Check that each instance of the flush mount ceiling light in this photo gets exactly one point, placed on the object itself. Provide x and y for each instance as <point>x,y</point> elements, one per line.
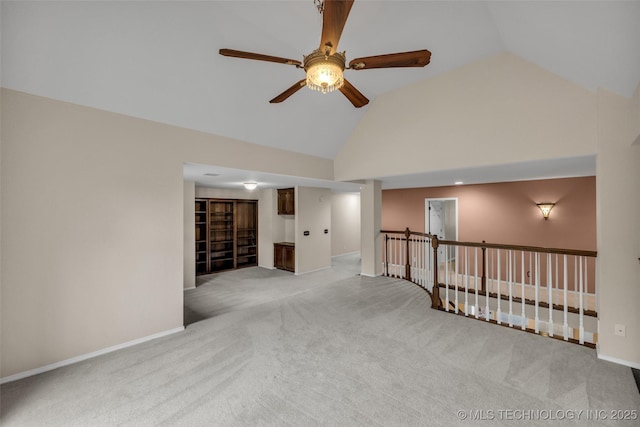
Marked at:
<point>546,209</point>
<point>250,185</point>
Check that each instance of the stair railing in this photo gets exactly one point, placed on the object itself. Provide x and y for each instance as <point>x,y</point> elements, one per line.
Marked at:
<point>546,291</point>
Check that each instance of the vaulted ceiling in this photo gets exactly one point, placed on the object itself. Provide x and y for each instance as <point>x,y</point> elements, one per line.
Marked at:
<point>159,60</point>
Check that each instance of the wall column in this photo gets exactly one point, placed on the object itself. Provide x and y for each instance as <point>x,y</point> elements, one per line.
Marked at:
<point>370,226</point>
<point>189,263</point>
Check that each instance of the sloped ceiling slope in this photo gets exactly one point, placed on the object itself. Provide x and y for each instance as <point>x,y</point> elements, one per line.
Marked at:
<point>159,60</point>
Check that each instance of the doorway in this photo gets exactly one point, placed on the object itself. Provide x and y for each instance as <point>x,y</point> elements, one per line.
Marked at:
<point>441,219</point>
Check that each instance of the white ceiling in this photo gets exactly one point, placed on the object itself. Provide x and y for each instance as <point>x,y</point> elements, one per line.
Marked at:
<point>159,60</point>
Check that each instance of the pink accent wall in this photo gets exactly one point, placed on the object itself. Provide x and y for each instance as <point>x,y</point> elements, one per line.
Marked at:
<point>506,212</point>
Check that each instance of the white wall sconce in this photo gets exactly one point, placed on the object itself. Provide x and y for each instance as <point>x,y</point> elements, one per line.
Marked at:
<point>250,185</point>
<point>546,209</point>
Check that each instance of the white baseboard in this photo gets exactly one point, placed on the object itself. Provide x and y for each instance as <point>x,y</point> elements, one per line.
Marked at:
<point>36,371</point>
<point>187,289</point>
<point>312,271</point>
<point>345,254</point>
<point>623,362</point>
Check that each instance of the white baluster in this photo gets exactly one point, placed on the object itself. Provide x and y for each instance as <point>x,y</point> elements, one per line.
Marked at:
<point>446,277</point>
<point>557,290</point>
<point>537,295</point>
<point>486,290</point>
<point>429,258</point>
<point>455,277</point>
<point>476,307</point>
<point>499,311</point>
<point>466,281</point>
<point>523,305</point>
<point>549,296</point>
<point>418,258</point>
<point>509,284</point>
<point>581,307</point>
<point>565,298</point>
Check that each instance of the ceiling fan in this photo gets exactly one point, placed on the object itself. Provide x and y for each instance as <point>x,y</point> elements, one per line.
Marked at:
<point>325,65</point>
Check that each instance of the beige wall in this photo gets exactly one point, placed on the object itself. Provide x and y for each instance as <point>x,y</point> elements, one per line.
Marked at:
<point>618,178</point>
<point>313,214</point>
<point>92,232</point>
<point>501,110</point>
<point>189,239</point>
<point>345,220</point>
<point>92,224</point>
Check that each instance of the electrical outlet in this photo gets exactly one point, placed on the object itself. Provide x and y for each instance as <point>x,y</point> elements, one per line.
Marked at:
<point>620,330</point>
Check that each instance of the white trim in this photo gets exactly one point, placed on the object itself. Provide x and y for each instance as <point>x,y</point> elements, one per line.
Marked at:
<point>345,254</point>
<point>187,289</point>
<point>311,271</point>
<point>623,362</point>
<point>36,371</point>
<point>370,275</point>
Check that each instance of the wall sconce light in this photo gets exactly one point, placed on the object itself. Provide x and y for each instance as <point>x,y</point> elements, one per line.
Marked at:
<point>250,185</point>
<point>546,209</point>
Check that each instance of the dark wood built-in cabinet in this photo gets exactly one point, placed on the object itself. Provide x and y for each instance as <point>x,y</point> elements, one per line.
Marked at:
<point>202,252</point>
<point>226,234</point>
<point>286,201</point>
<point>246,233</point>
<point>284,253</point>
<point>284,256</point>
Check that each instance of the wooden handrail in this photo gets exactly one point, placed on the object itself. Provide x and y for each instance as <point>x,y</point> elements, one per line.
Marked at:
<point>416,233</point>
<point>577,252</point>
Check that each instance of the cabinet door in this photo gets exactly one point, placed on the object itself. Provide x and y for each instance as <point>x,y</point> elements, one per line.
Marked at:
<point>286,201</point>
<point>289,258</point>
<point>278,256</point>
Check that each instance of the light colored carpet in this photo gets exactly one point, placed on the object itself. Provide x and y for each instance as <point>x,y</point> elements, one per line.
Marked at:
<point>329,348</point>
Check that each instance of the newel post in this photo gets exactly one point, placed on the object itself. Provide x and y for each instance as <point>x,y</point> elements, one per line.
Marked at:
<point>435,292</point>
<point>407,267</point>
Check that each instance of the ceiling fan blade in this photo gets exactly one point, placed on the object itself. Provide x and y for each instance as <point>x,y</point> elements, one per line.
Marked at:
<point>357,99</point>
<point>287,93</point>
<point>334,18</point>
<point>416,58</point>
<point>259,57</point>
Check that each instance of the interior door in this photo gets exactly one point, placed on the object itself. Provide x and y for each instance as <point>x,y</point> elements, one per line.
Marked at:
<point>441,219</point>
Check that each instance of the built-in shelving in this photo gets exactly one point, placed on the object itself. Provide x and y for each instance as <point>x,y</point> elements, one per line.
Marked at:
<point>226,234</point>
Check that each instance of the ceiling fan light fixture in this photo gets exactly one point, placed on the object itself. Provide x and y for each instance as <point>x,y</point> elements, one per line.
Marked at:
<point>324,72</point>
